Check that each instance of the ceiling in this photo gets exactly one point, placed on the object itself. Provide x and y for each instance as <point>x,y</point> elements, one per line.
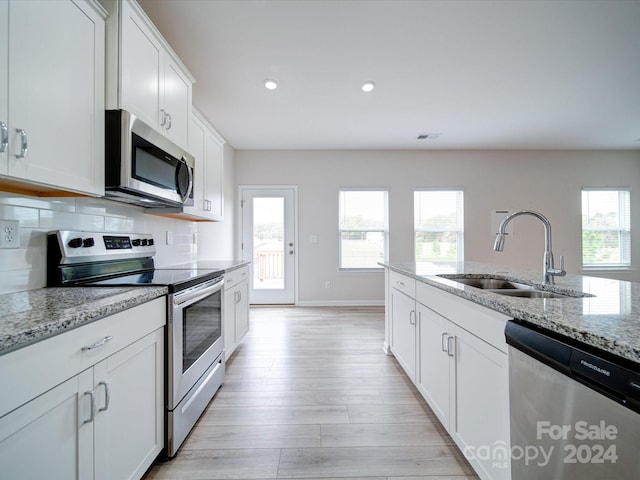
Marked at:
<point>513,74</point>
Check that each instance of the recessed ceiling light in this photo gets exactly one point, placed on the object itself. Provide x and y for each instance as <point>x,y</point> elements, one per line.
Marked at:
<point>368,86</point>
<point>270,84</point>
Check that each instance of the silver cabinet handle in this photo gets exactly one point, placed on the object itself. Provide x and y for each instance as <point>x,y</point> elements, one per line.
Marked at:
<point>398,282</point>
<point>450,350</point>
<point>163,117</point>
<point>24,145</point>
<point>98,344</point>
<point>443,346</point>
<point>168,127</point>
<point>4,137</point>
<point>107,396</point>
<point>412,317</point>
<point>92,415</point>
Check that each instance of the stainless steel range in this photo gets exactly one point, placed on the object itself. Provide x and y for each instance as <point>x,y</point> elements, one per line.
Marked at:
<point>195,361</point>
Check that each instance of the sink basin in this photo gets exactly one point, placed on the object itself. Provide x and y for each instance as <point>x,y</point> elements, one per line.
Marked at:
<point>509,288</point>
<point>531,294</point>
<point>491,283</point>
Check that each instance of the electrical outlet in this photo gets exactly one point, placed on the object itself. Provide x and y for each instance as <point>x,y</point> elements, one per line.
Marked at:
<point>9,234</point>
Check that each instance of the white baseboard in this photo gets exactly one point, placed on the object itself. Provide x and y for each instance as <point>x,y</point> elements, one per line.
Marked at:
<point>340,303</point>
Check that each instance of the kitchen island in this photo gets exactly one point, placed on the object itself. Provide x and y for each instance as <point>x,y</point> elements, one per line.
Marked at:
<point>444,324</point>
<point>607,318</point>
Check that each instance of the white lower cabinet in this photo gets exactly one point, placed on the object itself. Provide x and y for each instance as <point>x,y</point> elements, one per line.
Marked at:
<point>454,351</point>
<point>465,382</point>
<point>47,437</point>
<point>403,331</point>
<point>104,422</point>
<point>235,308</point>
<point>130,409</point>
<point>481,402</point>
<point>435,366</point>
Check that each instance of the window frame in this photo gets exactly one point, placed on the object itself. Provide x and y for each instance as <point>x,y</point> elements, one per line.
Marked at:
<point>384,231</point>
<point>624,234</point>
<point>459,231</point>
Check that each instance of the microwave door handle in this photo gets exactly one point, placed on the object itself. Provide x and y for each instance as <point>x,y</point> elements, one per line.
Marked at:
<point>190,187</point>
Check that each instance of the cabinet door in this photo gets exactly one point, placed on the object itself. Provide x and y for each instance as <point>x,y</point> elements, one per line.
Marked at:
<point>482,404</point>
<point>177,103</point>
<point>214,177</point>
<point>140,69</point>
<point>229,320</point>
<point>242,309</point>
<point>56,85</point>
<point>197,149</point>
<point>4,93</point>
<point>48,437</point>
<point>403,334</point>
<point>434,366</point>
<point>129,425</point>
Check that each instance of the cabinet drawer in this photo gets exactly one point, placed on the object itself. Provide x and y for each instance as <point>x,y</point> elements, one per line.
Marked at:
<point>232,278</point>
<point>406,285</point>
<point>32,370</point>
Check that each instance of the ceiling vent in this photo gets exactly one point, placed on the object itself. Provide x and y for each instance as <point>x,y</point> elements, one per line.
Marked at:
<point>429,136</point>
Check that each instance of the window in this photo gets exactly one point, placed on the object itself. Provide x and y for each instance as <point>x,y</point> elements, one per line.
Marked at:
<point>606,228</point>
<point>438,225</point>
<point>364,228</point>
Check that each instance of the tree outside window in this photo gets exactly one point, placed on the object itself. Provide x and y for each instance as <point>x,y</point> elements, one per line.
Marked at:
<point>438,225</point>
<point>606,228</point>
<point>364,228</point>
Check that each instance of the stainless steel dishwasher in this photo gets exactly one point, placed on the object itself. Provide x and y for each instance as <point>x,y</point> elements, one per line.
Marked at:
<point>575,413</point>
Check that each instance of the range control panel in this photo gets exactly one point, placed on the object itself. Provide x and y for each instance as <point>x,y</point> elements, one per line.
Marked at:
<point>78,246</point>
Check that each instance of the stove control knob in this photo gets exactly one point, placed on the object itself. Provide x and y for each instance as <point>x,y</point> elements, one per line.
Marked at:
<point>145,242</point>
<point>151,242</point>
<point>75,242</point>
<point>135,242</point>
<point>88,242</point>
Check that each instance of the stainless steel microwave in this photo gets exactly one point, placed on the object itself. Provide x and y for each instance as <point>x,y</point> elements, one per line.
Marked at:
<point>143,167</point>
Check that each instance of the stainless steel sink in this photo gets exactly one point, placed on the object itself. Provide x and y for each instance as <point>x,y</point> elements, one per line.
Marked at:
<point>510,288</point>
<point>490,283</point>
<point>531,294</point>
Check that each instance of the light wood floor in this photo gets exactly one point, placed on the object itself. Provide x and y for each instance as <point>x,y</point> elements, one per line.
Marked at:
<point>309,394</point>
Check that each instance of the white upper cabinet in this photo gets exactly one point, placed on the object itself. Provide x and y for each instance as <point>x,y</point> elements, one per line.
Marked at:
<point>4,88</point>
<point>208,149</point>
<point>144,75</point>
<point>52,95</point>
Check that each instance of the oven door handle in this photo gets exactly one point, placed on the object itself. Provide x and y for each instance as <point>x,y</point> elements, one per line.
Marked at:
<point>197,294</point>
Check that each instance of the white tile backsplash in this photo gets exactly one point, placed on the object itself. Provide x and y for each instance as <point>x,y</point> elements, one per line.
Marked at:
<point>24,268</point>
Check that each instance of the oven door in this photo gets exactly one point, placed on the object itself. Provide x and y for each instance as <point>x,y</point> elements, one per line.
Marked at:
<point>195,337</point>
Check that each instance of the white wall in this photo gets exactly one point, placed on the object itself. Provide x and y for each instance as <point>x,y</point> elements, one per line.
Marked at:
<point>547,181</point>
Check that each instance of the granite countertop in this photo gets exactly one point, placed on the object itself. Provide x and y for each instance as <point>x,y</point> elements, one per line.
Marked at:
<point>608,319</point>
<point>31,316</point>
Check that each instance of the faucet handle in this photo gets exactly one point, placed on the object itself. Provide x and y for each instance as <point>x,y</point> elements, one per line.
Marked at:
<point>558,272</point>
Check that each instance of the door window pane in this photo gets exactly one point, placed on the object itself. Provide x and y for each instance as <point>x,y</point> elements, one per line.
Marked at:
<point>268,243</point>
